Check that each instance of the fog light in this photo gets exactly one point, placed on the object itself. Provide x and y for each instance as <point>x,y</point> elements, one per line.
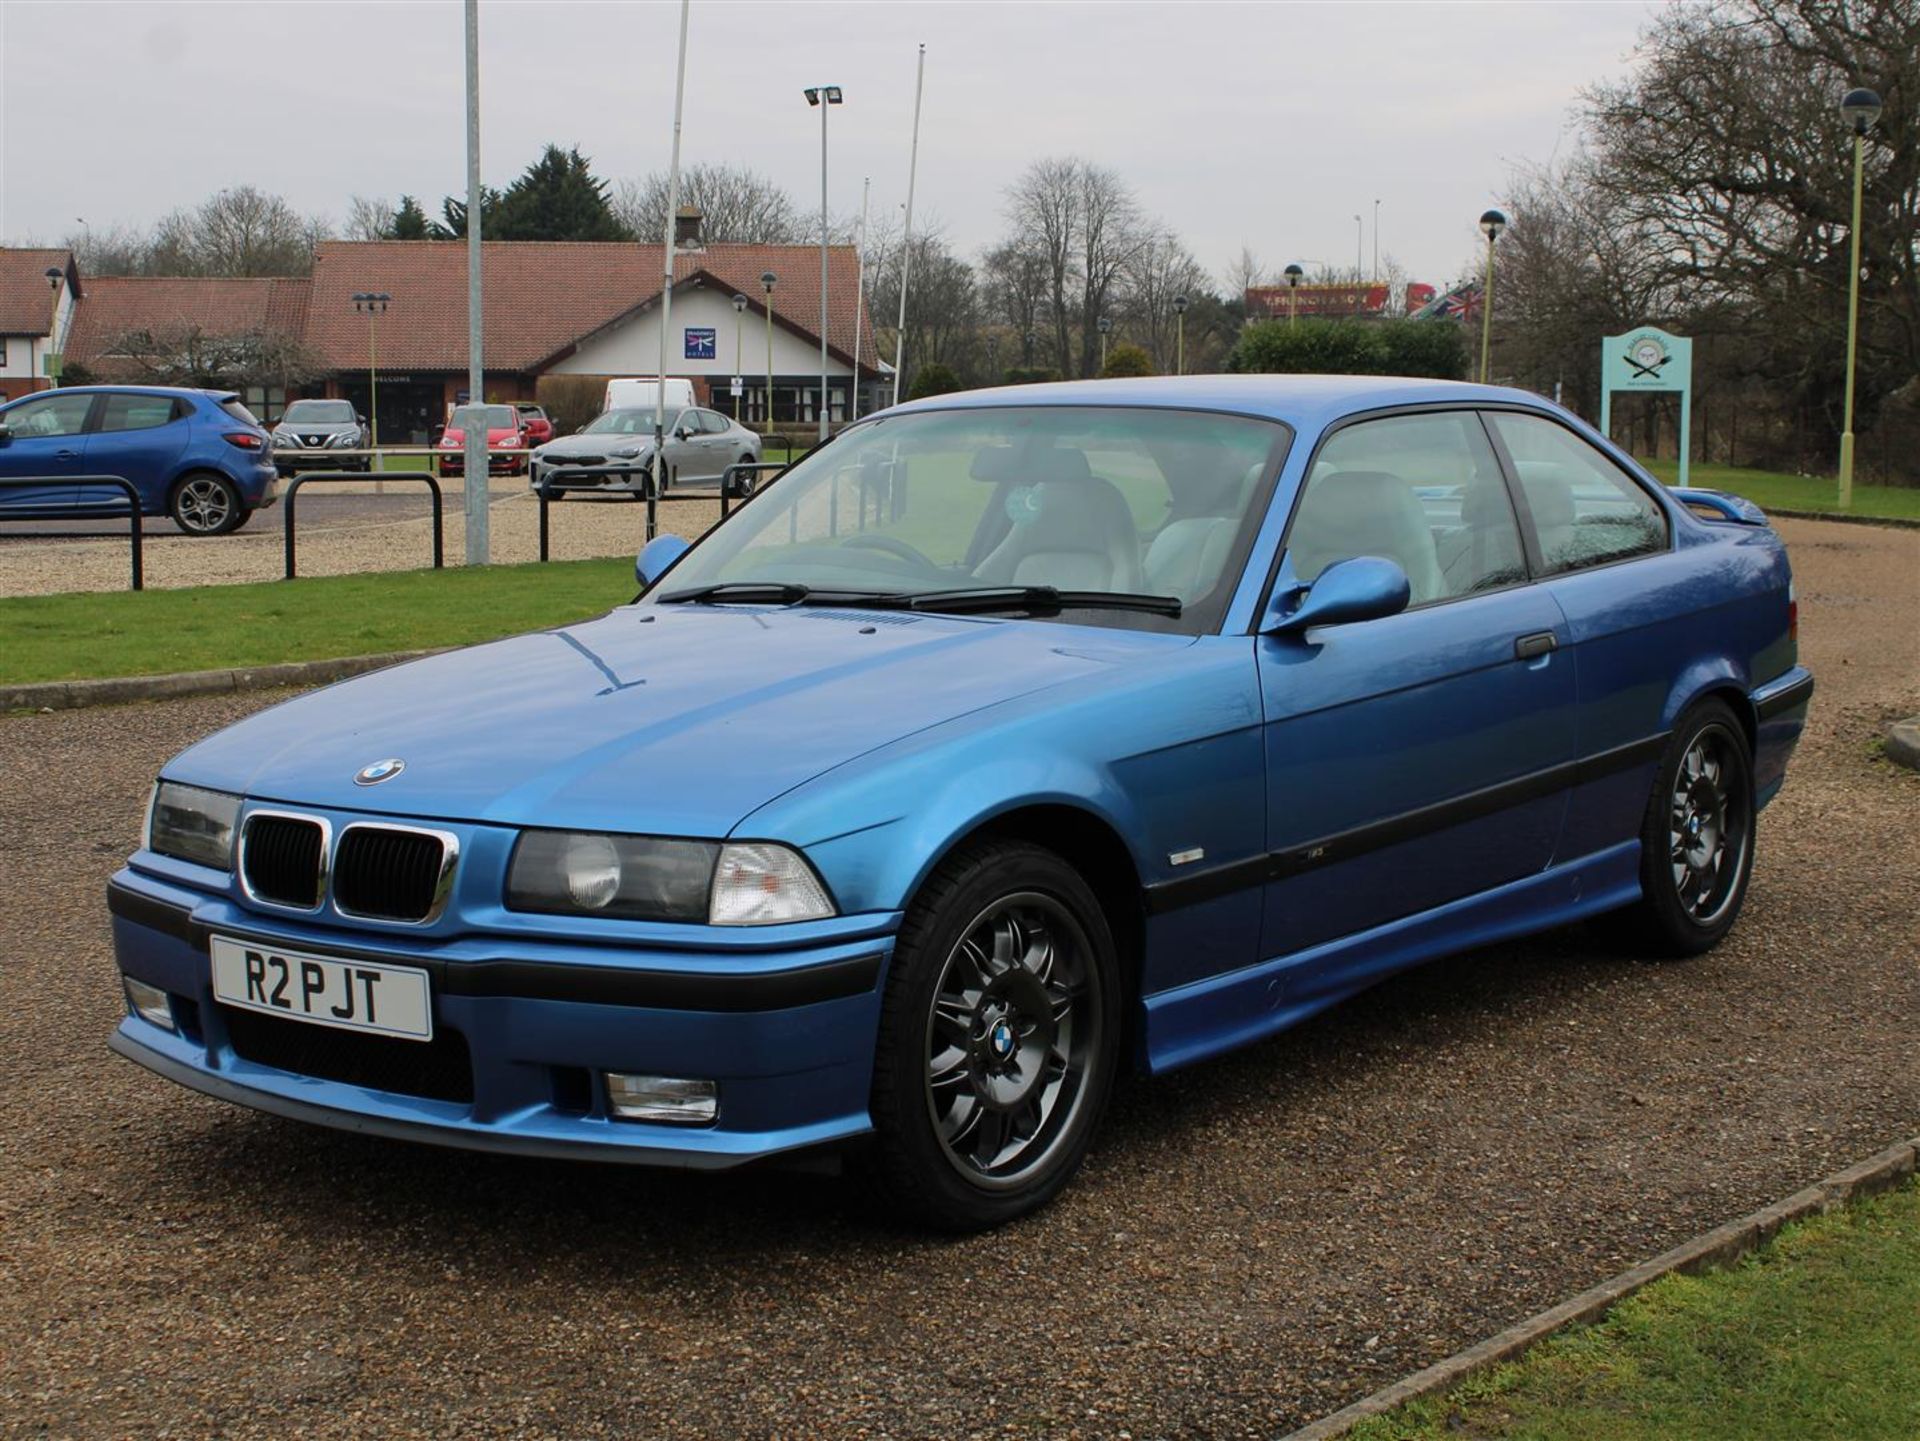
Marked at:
<point>149,1003</point>
<point>662,1098</point>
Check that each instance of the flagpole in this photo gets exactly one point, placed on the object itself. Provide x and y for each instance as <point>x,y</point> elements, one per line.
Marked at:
<point>666,244</point>
<point>859,292</point>
<point>906,241</point>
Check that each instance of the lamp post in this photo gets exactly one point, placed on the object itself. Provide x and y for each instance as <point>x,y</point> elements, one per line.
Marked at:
<point>767,281</point>
<point>372,303</point>
<point>1861,108</point>
<point>1293,272</point>
<point>1180,335</point>
<point>1376,242</point>
<point>1026,350</point>
<point>823,98</point>
<point>1106,329</point>
<point>1492,222</point>
<point>993,359</point>
<point>54,276</point>
<point>739,314</point>
<point>1359,246</point>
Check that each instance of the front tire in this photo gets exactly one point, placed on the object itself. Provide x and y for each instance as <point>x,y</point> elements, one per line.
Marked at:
<point>206,504</point>
<point>999,1038</point>
<point>1696,839</point>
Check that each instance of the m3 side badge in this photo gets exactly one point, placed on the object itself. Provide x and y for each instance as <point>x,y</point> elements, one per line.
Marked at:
<point>379,771</point>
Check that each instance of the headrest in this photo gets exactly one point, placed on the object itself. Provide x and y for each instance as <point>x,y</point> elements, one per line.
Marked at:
<point>1549,493</point>
<point>1034,467</point>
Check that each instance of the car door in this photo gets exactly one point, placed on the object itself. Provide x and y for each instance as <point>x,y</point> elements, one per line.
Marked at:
<point>140,436</point>
<point>1410,758</point>
<point>1603,546</point>
<point>683,450</point>
<point>46,438</point>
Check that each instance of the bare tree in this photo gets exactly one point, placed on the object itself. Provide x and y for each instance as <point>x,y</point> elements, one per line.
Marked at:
<point>1044,206</point>
<point>368,218</point>
<point>188,354</point>
<point>1159,269</point>
<point>111,250</point>
<point>1111,234</point>
<point>242,231</point>
<point>736,204</point>
<point>1245,272</point>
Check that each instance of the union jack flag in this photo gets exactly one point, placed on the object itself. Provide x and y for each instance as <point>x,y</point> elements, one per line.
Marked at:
<point>1460,303</point>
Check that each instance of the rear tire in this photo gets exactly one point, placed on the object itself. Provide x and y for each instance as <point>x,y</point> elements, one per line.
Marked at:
<point>204,503</point>
<point>999,1038</point>
<point>1696,840</point>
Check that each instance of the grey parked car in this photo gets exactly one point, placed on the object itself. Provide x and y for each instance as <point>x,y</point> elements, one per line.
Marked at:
<point>312,433</point>
<point>614,451</point>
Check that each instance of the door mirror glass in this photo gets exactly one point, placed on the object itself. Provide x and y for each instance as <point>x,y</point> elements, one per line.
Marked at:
<point>6,431</point>
<point>656,558</point>
<point>1364,588</point>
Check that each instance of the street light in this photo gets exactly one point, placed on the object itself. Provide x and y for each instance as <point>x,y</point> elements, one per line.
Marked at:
<point>54,276</point>
<point>1359,246</point>
<point>1293,272</point>
<point>767,281</point>
<point>1861,108</point>
<point>1492,222</point>
<point>739,386</point>
<point>1180,334</point>
<point>372,303</point>
<point>1026,350</point>
<point>823,98</point>
<point>1106,329</point>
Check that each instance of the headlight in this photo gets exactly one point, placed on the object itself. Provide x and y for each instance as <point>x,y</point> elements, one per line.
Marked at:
<point>191,824</point>
<point>631,452</point>
<point>342,439</point>
<point>649,878</point>
<point>281,438</point>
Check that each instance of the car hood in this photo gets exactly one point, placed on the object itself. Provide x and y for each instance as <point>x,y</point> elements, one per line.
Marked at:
<point>674,720</point>
<point>604,444</point>
<point>323,427</point>
<point>453,436</point>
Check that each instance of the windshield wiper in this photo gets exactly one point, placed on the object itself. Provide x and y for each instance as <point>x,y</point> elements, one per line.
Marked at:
<point>776,592</point>
<point>1035,597</point>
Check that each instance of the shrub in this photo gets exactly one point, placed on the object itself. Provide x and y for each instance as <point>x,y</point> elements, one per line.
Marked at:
<point>1125,360</point>
<point>933,379</point>
<point>1433,348</point>
<point>1029,375</point>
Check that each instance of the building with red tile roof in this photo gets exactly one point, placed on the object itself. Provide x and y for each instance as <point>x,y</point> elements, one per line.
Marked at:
<point>35,312</point>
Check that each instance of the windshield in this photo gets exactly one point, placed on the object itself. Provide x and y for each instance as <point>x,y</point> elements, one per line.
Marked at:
<point>319,412</point>
<point>1095,499</point>
<point>497,417</point>
<point>628,420</point>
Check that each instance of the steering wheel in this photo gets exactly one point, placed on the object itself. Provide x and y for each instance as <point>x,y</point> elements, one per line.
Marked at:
<point>892,546</point>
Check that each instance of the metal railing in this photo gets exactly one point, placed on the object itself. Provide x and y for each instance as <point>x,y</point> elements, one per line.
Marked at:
<point>356,477</point>
<point>737,483</point>
<point>134,518</point>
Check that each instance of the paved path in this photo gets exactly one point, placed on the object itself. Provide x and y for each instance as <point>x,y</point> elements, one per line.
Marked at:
<point>1253,1242</point>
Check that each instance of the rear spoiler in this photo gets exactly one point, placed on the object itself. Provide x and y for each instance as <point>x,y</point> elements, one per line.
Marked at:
<point>1719,506</point>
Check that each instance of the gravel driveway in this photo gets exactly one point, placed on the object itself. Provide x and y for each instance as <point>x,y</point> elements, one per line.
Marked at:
<point>1253,1242</point>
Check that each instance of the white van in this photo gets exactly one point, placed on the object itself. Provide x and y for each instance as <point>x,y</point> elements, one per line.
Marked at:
<point>624,393</point>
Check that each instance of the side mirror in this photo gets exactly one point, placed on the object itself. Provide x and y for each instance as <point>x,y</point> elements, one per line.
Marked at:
<point>656,558</point>
<point>6,431</point>
<point>681,432</point>
<point>1365,588</point>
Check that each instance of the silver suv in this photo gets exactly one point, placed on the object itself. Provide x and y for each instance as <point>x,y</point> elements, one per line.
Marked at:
<point>312,433</point>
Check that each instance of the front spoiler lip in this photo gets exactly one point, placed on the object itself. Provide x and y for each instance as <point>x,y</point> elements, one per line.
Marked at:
<point>220,1087</point>
<point>714,991</point>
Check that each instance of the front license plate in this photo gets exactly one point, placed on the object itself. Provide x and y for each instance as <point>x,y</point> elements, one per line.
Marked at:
<point>350,995</point>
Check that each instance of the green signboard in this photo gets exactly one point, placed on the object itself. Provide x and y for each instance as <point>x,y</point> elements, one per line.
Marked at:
<point>1648,359</point>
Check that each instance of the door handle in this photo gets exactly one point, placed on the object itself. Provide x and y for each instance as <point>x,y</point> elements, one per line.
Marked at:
<point>1539,643</point>
<point>66,455</point>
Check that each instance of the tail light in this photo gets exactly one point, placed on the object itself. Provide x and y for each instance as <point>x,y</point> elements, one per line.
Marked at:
<point>244,439</point>
<point>1793,616</point>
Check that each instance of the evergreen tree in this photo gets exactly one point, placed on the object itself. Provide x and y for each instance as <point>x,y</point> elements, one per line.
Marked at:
<point>556,198</point>
<point>409,221</point>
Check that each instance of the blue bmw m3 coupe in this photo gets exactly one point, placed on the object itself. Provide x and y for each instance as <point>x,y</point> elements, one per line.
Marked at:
<point>1012,737</point>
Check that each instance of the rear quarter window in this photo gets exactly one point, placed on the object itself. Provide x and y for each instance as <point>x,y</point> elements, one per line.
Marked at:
<point>1586,511</point>
<point>236,411</point>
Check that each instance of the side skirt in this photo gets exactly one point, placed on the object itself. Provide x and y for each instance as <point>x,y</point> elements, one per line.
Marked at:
<point>1221,1013</point>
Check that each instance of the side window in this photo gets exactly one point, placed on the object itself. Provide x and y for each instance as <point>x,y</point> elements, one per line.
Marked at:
<point>1424,491</point>
<point>55,415</point>
<point>1586,510</point>
<point>713,423</point>
<point>137,412</point>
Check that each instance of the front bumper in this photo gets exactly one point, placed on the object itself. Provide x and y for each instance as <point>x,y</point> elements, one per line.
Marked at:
<point>788,1036</point>
<point>292,459</point>
<point>454,462</point>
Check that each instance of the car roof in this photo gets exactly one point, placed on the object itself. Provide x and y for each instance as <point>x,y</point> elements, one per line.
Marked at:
<point>187,390</point>
<point>1305,402</point>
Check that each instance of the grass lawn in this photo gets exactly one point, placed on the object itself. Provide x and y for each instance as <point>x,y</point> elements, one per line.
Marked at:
<point>1817,1334</point>
<point>1772,491</point>
<point>66,637</point>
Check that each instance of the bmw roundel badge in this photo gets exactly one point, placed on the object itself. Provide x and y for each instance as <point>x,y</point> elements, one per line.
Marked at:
<point>379,771</point>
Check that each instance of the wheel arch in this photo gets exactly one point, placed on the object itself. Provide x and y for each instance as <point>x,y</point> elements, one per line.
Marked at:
<point>1716,680</point>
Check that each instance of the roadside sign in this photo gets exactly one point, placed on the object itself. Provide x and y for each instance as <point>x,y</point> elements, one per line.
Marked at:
<point>736,388</point>
<point>701,342</point>
<point>1648,359</point>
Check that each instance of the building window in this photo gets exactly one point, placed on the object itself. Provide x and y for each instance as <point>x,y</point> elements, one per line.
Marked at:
<point>267,402</point>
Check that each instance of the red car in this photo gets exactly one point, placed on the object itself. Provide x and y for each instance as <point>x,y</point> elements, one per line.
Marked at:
<point>534,421</point>
<point>504,433</point>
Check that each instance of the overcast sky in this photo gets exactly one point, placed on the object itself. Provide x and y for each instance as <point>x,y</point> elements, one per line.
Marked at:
<point>1268,124</point>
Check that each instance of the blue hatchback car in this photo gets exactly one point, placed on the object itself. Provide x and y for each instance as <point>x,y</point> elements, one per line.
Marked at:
<point>196,455</point>
<point>1010,738</point>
